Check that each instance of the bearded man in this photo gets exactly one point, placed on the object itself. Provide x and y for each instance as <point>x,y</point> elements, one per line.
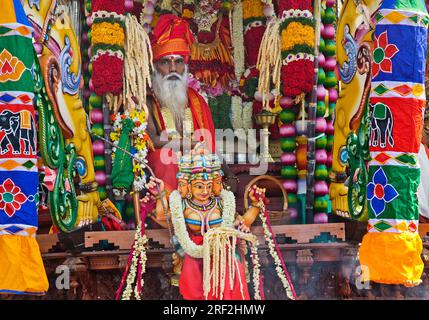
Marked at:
<point>176,111</point>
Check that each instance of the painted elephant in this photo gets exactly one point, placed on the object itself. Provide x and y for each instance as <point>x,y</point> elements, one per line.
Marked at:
<point>381,126</point>
<point>17,126</point>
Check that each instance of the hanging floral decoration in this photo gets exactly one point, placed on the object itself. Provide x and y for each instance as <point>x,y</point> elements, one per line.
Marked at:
<point>141,142</point>
<point>219,246</point>
<point>136,264</point>
<point>108,36</point>
<point>238,47</point>
<point>275,253</point>
<point>297,43</point>
<point>254,23</point>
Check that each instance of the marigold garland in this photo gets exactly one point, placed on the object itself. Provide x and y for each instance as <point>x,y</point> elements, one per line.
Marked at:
<point>106,32</point>
<point>252,9</point>
<point>298,40</point>
<point>297,33</point>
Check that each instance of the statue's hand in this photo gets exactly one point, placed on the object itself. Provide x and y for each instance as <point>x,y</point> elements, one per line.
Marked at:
<point>240,225</point>
<point>152,188</point>
<point>256,193</point>
<point>338,195</point>
<point>88,204</point>
<point>147,198</point>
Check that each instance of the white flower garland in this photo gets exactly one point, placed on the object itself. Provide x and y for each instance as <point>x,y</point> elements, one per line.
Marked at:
<point>139,253</point>
<point>269,239</point>
<point>238,45</point>
<point>256,270</point>
<point>196,251</point>
<point>179,224</point>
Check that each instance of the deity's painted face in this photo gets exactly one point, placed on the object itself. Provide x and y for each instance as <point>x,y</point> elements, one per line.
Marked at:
<point>182,186</point>
<point>170,66</point>
<point>201,190</point>
<point>217,185</point>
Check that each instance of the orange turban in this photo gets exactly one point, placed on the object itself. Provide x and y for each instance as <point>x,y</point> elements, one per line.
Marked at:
<point>171,36</point>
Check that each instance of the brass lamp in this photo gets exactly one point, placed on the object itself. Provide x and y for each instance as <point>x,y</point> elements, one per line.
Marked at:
<point>265,119</point>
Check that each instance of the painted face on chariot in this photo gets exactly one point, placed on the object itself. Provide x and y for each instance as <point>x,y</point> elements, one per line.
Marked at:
<point>201,190</point>
<point>217,185</point>
<point>182,186</point>
<point>171,67</point>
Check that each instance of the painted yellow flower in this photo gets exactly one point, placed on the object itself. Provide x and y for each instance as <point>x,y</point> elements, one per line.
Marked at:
<point>11,68</point>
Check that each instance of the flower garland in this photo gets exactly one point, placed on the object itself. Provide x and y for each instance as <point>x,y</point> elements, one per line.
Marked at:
<point>141,142</point>
<point>274,250</point>
<point>238,45</point>
<point>298,40</point>
<point>179,224</point>
<point>256,271</point>
<point>138,64</point>
<point>219,251</point>
<point>269,62</point>
<point>137,265</point>
<point>108,36</point>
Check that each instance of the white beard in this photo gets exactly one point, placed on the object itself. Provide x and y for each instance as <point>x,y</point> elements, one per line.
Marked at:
<point>172,94</point>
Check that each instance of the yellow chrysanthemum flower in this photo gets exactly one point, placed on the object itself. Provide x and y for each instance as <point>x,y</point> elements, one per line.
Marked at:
<point>297,34</point>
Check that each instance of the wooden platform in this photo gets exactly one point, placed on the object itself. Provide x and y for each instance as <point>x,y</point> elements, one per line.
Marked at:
<point>160,238</point>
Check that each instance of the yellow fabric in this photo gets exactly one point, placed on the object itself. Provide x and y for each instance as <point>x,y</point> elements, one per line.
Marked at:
<point>392,258</point>
<point>7,12</point>
<point>21,266</point>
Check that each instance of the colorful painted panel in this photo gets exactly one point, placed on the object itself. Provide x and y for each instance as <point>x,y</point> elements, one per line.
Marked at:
<point>390,252</point>
<point>21,266</point>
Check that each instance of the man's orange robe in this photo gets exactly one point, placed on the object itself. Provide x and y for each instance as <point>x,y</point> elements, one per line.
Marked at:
<point>202,119</point>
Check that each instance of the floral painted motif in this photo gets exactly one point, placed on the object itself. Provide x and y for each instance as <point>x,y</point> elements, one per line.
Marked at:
<point>11,197</point>
<point>383,54</point>
<point>11,68</point>
<point>379,192</point>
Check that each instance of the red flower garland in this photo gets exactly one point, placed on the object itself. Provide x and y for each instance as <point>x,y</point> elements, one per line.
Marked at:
<point>107,75</point>
<point>295,77</point>
<point>117,6</point>
<point>296,4</point>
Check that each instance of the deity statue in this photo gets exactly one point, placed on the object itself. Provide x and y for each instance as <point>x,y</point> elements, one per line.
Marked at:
<point>199,205</point>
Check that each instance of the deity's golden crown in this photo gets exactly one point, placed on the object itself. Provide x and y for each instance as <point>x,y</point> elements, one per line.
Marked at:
<point>199,164</point>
